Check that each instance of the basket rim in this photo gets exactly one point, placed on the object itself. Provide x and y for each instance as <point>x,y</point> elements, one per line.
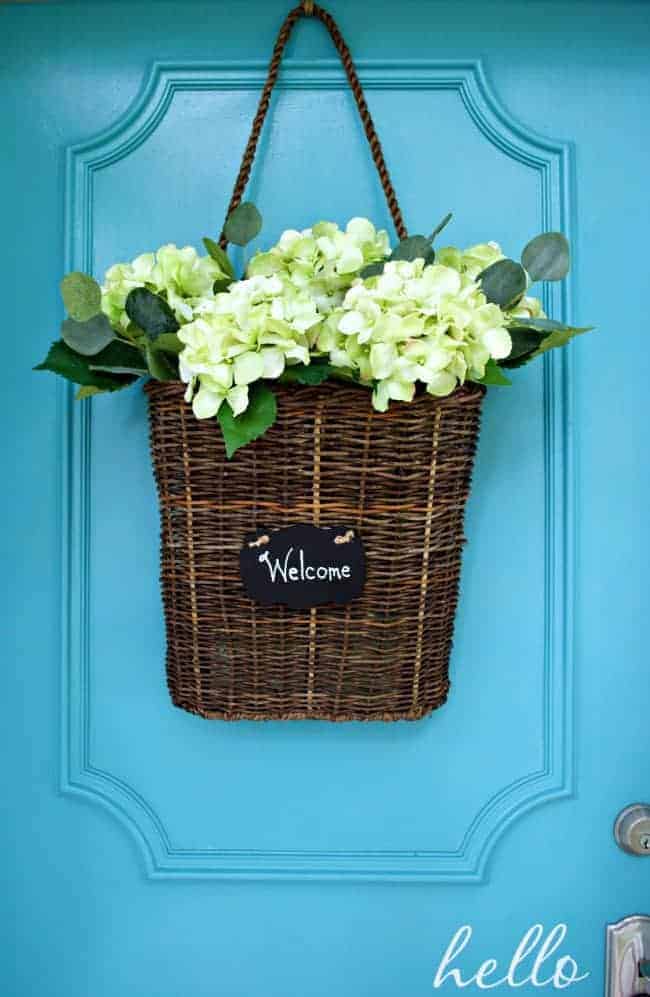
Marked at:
<point>464,393</point>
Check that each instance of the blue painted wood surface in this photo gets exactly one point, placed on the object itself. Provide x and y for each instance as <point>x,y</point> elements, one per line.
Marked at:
<point>147,852</point>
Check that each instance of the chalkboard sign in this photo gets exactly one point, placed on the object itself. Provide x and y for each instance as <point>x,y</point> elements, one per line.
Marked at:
<point>303,566</point>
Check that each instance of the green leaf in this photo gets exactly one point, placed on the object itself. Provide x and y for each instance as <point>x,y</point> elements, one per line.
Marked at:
<point>82,296</point>
<point>116,369</point>
<point>493,375</point>
<point>503,282</point>
<point>219,255</point>
<point>439,227</point>
<point>416,247</point>
<point>313,373</point>
<point>372,269</point>
<point>74,367</point>
<point>160,366</point>
<point>120,354</point>
<point>560,337</point>
<point>150,312</point>
<point>243,224</point>
<point>120,358</point>
<point>539,335</point>
<point>538,324</point>
<point>251,424</point>
<point>524,341</point>
<point>168,342</point>
<point>547,257</point>
<point>221,284</point>
<point>88,337</point>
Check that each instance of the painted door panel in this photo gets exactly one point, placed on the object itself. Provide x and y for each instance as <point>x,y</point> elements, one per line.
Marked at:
<point>307,857</point>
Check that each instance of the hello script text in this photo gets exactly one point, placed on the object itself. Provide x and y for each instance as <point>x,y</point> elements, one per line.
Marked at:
<point>534,963</point>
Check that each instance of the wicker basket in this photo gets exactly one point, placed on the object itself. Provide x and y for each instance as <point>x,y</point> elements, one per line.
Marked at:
<point>402,478</point>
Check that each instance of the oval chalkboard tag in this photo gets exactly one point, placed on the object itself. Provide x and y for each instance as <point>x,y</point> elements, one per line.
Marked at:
<point>303,566</point>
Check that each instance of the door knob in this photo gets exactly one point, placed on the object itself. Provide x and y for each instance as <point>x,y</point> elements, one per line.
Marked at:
<point>632,829</point>
<point>628,958</point>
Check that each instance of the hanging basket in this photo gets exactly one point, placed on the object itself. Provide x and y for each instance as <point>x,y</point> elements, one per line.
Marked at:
<point>400,478</point>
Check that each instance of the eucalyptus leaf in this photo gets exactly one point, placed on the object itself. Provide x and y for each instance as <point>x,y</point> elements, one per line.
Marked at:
<point>493,375</point>
<point>243,224</point>
<point>313,373</point>
<point>219,255</point>
<point>251,424</point>
<point>74,367</point>
<point>415,247</point>
<point>88,337</point>
<point>503,282</point>
<point>160,367</point>
<point>150,312</point>
<point>372,269</point>
<point>547,257</point>
<point>82,296</point>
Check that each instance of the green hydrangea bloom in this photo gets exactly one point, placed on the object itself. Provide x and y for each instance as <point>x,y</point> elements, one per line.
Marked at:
<point>323,260</point>
<point>528,307</point>
<point>181,276</point>
<point>251,331</point>
<point>471,262</point>
<point>415,323</point>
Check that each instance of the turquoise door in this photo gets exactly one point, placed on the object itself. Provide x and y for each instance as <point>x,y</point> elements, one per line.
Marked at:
<point>149,853</point>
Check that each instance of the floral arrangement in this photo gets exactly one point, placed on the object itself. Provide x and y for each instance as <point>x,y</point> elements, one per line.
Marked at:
<point>322,304</point>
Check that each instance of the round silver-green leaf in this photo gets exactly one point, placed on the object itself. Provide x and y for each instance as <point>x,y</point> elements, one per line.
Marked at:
<point>416,247</point>
<point>503,282</point>
<point>243,224</point>
<point>150,312</point>
<point>372,269</point>
<point>87,338</point>
<point>82,296</point>
<point>547,257</point>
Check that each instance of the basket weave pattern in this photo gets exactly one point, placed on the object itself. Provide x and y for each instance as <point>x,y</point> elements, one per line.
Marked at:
<point>400,478</point>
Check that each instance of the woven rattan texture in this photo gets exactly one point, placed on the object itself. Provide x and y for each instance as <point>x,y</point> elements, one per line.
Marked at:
<point>400,478</point>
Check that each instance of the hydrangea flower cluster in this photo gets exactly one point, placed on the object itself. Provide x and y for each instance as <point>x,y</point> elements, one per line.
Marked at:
<point>323,260</point>
<point>471,263</point>
<point>417,323</point>
<point>181,276</point>
<point>248,332</point>
<point>260,324</point>
<point>322,304</point>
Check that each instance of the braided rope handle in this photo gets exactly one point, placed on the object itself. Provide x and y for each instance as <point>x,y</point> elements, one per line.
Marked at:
<point>310,9</point>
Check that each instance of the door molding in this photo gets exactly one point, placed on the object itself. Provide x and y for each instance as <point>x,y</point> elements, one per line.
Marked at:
<point>553,161</point>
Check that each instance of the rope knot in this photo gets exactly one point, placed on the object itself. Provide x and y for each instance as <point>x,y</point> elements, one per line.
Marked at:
<point>308,7</point>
